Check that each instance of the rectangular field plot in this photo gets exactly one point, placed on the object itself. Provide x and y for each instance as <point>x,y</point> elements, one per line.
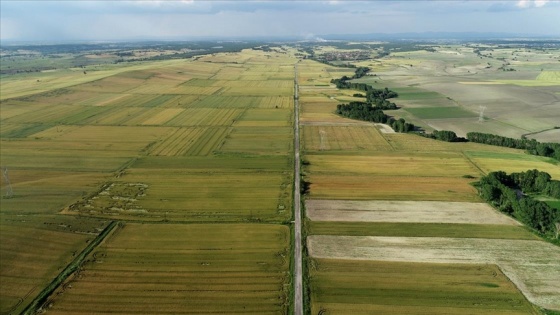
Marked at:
<point>355,186</point>
<point>191,141</point>
<point>377,287</point>
<point>59,155</point>
<point>347,138</point>
<point>115,137</point>
<point>47,190</point>
<point>214,196</point>
<point>180,141</point>
<point>12,108</point>
<point>394,164</point>
<point>534,268</point>
<point>276,102</point>
<point>198,189</point>
<point>191,90</point>
<point>50,114</point>
<point>460,230</point>
<point>34,249</point>
<point>258,91</point>
<point>205,117</point>
<point>507,162</point>
<point>405,211</point>
<point>222,163</point>
<point>258,117</point>
<point>219,101</point>
<point>16,130</point>
<point>259,140</point>
<point>112,84</point>
<point>198,269</point>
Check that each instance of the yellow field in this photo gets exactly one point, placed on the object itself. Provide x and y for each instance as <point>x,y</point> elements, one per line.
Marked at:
<point>550,76</point>
<point>386,164</point>
<point>184,141</point>
<point>259,140</point>
<point>347,138</point>
<point>205,269</point>
<point>205,117</point>
<point>375,187</point>
<point>178,142</point>
<point>34,250</point>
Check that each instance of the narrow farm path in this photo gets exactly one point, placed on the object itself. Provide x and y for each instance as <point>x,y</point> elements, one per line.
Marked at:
<point>298,289</point>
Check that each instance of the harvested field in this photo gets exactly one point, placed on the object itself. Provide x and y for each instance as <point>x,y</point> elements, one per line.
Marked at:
<point>405,211</point>
<point>379,287</point>
<point>34,249</point>
<point>534,266</point>
<point>347,138</point>
<point>205,117</point>
<point>364,187</point>
<point>204,269</point>
<point>393,163</point>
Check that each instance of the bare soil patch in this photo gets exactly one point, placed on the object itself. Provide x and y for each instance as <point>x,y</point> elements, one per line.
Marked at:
<point>405,211</point>
<point>384,128</point>
<point>534,268</point>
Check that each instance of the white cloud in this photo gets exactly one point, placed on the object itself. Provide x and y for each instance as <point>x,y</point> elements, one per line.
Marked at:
<point>531,3</point>
<point>523,3</point>
<point>541,3</point>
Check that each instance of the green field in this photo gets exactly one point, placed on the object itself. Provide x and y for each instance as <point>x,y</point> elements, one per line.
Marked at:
<point>372,287</point>
<point>419,230</point>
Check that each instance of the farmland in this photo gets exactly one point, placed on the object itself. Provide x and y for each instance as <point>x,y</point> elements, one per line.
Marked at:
<point>34,249</point>
<point>390,216</point>
<point>167,143</point>
<point>538,281</point>
<point>448,88</point>
<point>365,287</point>
<point>192,159</point>
<point>205,269</point>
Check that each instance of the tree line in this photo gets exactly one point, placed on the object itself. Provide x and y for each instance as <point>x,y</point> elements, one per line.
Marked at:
<point>376,101</point>
<point>511,194</point>
<point>534,147</point>
<point>367,112</point>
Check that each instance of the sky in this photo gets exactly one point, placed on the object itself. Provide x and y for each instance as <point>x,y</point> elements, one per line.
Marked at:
<point>22,20</point>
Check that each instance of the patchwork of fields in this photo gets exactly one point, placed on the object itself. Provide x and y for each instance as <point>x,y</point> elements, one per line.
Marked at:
<point>395,226</point>
<point>166,143</point>
<point>194,159</point>
<point>449,87</point>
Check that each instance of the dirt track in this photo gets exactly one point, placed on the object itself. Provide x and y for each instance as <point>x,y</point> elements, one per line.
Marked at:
<point>405,211</point>
<point>534,268</point>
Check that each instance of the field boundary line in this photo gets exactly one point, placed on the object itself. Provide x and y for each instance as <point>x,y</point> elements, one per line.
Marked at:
<point>66,272</point>
<point>473,163</point>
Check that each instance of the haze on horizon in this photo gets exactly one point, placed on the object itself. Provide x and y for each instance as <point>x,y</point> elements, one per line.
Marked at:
<point>192,19</point>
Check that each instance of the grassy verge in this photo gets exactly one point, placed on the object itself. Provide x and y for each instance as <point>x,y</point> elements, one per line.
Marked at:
<point>420,230</point>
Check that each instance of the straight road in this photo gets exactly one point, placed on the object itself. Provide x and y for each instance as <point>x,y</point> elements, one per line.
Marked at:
<point>298,287</point>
